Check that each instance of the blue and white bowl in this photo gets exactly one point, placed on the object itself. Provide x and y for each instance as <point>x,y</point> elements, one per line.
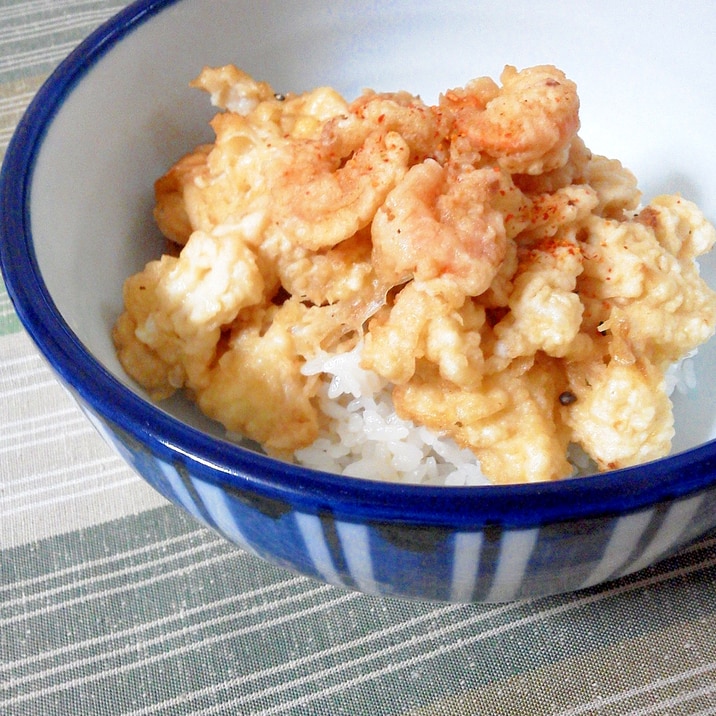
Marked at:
<point>76,193</point>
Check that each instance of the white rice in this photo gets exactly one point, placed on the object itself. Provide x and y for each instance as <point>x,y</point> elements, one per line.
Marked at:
<point>365,438</point>
<point>681,376</point>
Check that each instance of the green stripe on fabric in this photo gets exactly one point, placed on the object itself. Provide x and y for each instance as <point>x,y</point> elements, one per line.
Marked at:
<point>36,36</point>
<point>9,322</point>
<point>14,100</point>
<point>156,614</point>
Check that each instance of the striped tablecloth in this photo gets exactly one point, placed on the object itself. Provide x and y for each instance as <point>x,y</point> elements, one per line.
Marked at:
<point>114,602</point>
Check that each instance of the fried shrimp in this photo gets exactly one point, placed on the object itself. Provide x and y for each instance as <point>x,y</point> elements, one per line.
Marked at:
<point>430,321</point>
<point>319,201</point>
<point>435,225</point>
<point>528,127</point>
<point>444,294</point>
<point>425,129</point>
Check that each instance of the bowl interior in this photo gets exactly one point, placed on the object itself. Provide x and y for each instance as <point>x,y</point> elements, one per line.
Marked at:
<point>646,83</point>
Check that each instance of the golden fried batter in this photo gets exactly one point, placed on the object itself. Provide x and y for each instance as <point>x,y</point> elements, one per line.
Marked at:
<point>494,272</point>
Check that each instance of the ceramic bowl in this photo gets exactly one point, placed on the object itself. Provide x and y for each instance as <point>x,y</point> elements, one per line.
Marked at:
<point>76,220</point>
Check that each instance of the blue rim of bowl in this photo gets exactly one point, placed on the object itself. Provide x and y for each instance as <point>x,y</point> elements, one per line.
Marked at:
<point>517,506</point>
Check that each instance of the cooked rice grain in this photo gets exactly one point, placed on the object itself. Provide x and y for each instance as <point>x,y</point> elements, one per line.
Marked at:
<point>363,437</point>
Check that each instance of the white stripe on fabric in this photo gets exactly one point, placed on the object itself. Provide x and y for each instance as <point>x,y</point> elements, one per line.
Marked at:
<point>626,533</point>
<point>34,29</point>
<point>427,655</point>
<point>66,469</point>
<point>290,666</point>
<point>33,388</point>
<point>182,632</point>
<point>103,594</point>
<point>28,359</point>
<point>189,648</point>
<point>63,436</point>
<point>31,58</point>
<point>12,107</point>
<point>6,308</point>
<point>605,701</point>
<point>259,594</point>
<point>315,542</point>
<point>98,490</point>
<point>93,564</point>
<point>27,493</point>
<point>24,9</point>
<point>466,563</point>
<point>43,424</point>
<point>22,425</point>
<point>355,543</point>
<point>672,701</point>
<point>32,366</point>
<point>393,629</point>
<point>515,551</point>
